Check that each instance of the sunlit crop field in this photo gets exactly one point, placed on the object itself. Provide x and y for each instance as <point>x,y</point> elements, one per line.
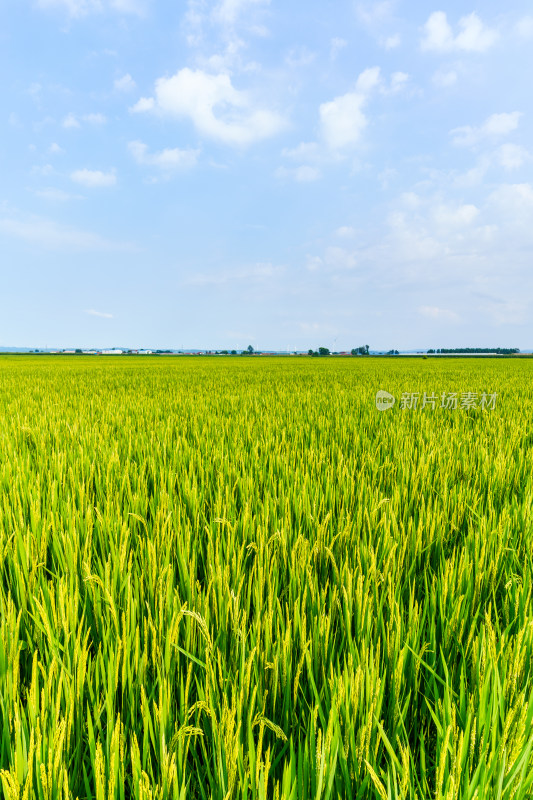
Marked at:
<point>236,578</point>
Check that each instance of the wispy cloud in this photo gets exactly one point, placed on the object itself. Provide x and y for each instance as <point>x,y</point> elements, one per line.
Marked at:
<point>74,121</point>
<point>93,178</point>
<point>51,235</point>
<point>103,314</point>
<point>438,314</point>
<point>496,126</point>
<point>125,84</point>
<point>257,272</point>
<point>80,8</point>
<point>56,195</point>
<point>167,160</point>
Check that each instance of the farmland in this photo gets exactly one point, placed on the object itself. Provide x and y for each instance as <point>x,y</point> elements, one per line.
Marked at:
<point>236,578</point>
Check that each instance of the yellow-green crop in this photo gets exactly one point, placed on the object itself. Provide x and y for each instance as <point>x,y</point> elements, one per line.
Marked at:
<point>236,578</point>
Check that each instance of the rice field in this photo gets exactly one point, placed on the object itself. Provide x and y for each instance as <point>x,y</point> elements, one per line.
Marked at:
<point>236,578</point>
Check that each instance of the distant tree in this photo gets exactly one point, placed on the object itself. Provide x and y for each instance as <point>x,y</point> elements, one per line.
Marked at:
<point>360,351</point>
<point>310,352</point>
<point>78,349</point>
<point>323,351</point>
<point>233,352</point>
<point>250,349</point>
<point>502,351</point>
<point>224,352</point>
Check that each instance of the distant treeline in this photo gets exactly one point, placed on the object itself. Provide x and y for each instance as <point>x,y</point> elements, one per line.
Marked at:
<point>501,351</point>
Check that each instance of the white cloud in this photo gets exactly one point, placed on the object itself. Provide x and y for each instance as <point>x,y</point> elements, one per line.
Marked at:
<point>438,314</point>
<point>335,260</point>
<point>228,11</point>
<point>376,17</point>
<point>445,78</point>
<point>512,156</point>
<point>305,151</point>
<point>75,8</point>
<point>438,241</point>
<point>94,119</point>
<point>80,8</point>
<point>51,235</point>
<point>345,231</point>
<point>56,195</point>
<point>506,311</point>
<point>129,6</point>
<point>338,258</point>
<point>386,176</point>
<point>303,174</point>
<point>257,272</point>
<point>220,30</point>
<point>217,109</point>
<point>341,125</point>
<point>70,121</point>
<point>313,263</point>
<point>368,80</point>
<point>454,217</point>
<point>342,120</point>
<point>125,84</point>
<point>168,160</point>
<point>336,45</point>
<point>501,124</point>
<point>410,200</point>
<point>93,178</point>
<point>299,57</point>
<point>73,121</point>
<point>55,149</point>
<point>398,81</point>
<point>101,314</point>
<point>473,35</point>
<point>143,104</point>
<point>524,27</point>
<point>475,175</point>
<point>376,13</point>
<point>494,126</point>
<point>390,42</point>
<point>43,170</point>
<point>514,202</point>
<point>226,20</point>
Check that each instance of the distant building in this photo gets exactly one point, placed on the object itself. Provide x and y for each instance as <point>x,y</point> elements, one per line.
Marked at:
<point>111,352</point>
<point>145,352</point>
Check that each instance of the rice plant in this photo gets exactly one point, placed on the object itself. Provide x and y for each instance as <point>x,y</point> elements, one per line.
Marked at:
<point>236,578</point>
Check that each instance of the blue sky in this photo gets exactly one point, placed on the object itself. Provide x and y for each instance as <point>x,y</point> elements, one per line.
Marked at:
<point>287,175</point>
